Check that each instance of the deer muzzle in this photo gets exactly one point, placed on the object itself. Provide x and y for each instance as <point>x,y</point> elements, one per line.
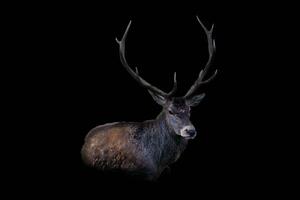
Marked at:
<point>188,132</point>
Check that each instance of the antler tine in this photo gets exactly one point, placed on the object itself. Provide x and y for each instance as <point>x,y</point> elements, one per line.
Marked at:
<point>211,51</point>
<point>135,75</point>
<point>174,89</point>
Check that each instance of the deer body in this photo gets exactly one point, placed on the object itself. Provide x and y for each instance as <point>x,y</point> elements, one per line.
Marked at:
<point>144,149</point>
<point>147,148</point>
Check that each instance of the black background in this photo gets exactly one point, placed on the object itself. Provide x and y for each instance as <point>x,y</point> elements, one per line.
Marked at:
<point>69,80</point>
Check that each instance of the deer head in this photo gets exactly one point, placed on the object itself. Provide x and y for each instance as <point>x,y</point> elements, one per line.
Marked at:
<point>175,109</point>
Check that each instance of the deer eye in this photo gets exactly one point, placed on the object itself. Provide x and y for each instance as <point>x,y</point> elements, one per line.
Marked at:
<point>171,112</point>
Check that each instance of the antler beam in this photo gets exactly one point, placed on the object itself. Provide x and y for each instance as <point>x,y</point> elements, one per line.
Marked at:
<point>135,74</point>
<point>211,51</point>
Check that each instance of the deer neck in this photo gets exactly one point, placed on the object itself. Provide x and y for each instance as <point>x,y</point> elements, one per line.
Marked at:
<point>170,144</point>
<point>162,125</point>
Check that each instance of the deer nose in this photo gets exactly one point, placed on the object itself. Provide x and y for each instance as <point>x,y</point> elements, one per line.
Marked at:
<point>191,132</point>
<point>188,132</point>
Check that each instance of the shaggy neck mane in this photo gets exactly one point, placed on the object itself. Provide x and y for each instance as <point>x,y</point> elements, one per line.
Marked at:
<point>164,140</point>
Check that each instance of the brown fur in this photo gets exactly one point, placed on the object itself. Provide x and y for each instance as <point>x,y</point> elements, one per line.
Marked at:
<point>113,146</point>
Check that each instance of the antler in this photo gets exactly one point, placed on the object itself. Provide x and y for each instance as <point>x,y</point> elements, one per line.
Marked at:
<point>211,50</point>
<point>135,74</point>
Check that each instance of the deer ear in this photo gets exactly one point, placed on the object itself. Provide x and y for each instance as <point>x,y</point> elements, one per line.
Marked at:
<point>161,100</point>
<point>195,100</point>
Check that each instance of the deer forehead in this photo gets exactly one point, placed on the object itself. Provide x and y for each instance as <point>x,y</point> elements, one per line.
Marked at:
<point>178,104</point>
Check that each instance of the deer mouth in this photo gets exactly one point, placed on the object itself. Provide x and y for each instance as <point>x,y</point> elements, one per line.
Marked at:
<point>188,137</point>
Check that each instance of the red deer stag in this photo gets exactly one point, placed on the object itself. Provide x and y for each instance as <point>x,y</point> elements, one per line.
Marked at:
<point>146,148</point>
